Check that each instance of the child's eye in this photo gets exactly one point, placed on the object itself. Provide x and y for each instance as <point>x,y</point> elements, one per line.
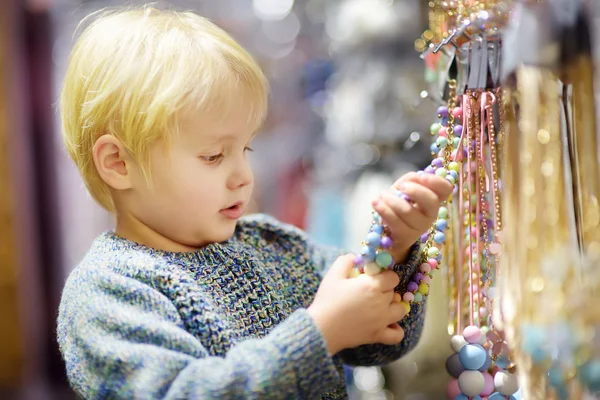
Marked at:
<point>212,159</point>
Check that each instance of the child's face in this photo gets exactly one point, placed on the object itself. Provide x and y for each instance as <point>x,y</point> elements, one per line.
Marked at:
<point>201,184</point>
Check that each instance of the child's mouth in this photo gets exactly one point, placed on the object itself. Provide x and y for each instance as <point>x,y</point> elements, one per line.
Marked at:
<point>233,212</point>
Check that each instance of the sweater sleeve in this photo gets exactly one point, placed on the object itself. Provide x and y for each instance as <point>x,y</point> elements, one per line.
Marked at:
<point>322,257</point>
<point>122,339</point>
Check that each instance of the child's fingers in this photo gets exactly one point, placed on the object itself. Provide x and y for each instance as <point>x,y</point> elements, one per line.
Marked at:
<point>408,177</point>
<point>396,211</point>
<point>440,186</point>
<point>342,266</point>
<point>426,200</point>
<point>386,281</point>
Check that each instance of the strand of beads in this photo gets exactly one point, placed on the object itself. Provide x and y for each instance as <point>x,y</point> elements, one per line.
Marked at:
<point>374,256</point>
<point>481,357</point>
<point>444,144</point>
<point>477,375</point>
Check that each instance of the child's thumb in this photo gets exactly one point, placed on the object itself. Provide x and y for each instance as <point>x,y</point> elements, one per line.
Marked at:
<point>342,267</point>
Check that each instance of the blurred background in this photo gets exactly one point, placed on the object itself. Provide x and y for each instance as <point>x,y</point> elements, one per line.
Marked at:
<point>346,119</point>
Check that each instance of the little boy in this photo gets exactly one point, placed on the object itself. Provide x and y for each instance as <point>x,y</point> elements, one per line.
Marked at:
<point>185,298</point>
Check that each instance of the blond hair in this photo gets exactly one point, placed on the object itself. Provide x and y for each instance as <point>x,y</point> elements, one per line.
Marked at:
<point>132,70</point>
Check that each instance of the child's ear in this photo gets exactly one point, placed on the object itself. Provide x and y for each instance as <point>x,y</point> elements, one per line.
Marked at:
<point>113,162</point>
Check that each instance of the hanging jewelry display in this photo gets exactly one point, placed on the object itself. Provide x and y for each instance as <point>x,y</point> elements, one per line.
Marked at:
<point>551,208</point>
<point>480,365</point>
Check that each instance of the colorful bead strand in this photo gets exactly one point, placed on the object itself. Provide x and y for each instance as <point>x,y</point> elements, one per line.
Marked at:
<point>374,257</point>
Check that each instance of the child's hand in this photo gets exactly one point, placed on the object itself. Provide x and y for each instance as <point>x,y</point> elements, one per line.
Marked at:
<point>354,311</point>
<point>408,220</point>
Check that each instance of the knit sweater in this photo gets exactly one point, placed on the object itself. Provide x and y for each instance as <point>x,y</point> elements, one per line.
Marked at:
<point>227,321</point>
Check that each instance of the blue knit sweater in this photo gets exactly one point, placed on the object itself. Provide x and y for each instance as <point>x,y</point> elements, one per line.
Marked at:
<point>228,321</point>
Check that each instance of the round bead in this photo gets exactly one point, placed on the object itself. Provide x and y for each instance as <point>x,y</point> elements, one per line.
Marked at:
<point>442,142</point>
<point>373,239</point>
<point>378,229</point>
<point>386,242</point>
<point>496,396</point>
<point>406,306</point>
<point>483,312</point>
<point>451,179</point>
<point>412,286</point>
<point>432,263</point>
<point>418,297</point>
<point>441,172</point>
<point>368,253</point>
<point>434,148</point>
<point>358,260</point>
<point>506,383</point>
<point>452,390</point>
<point>488,386</point>
<point>433,252</point>
<point>383,259</point>
<point>408,297</point>
<point>430,170</point>
<point>457,343</point>
<point>418,277</point>
<point>556,376</point>
<point>472,356</point>
<point>590,375</point>
<point>443,132</point>
<point>443,213</point>
<point>427,279</point>
<point>437,163</point>
<point>441,224</point>
<point>457,112</point>
<point>434,128</point>
<point>454,166</point>
<point>461,397</point>
<point>425,268</point>
<point>439,237</point>
<point>372,269</point>
<point>458,130</point>
<point>472,334</point>
<point>442,111</point>
<point>424,289</point>
<point>455,367</point>
<point>377,218</point>
<point>424,237</point>
<point>455,143</point>
<point>471,383</point>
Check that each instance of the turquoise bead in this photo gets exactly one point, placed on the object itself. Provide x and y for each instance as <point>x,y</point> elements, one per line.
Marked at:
<point>441,172</point>
<point>378,229</point>
<point>376,219</point>
<point>455,142</point>
<point>534,342</point>
<point>383,259</point>
<point>442,142</point>
<point>556,376</point>
<point>435,128</point>
<point>418,297</point>
<point>589,374</point>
